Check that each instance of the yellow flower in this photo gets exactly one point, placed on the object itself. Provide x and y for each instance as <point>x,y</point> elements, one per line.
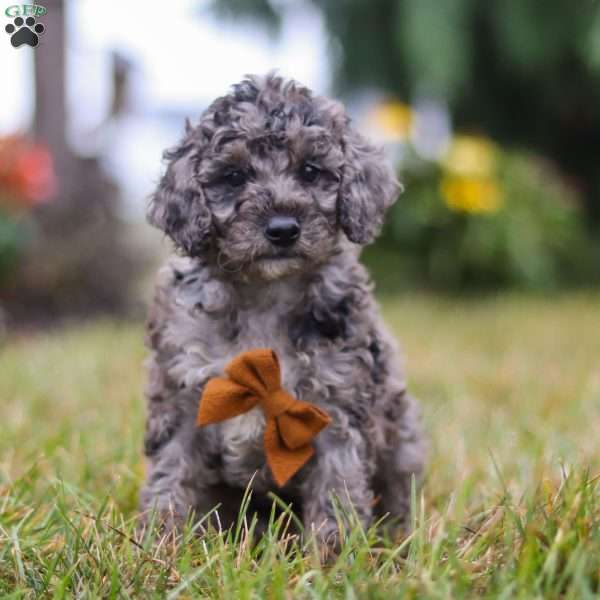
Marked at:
<point>471,194</point>
<point>470,156</point>
<point>393,119</point>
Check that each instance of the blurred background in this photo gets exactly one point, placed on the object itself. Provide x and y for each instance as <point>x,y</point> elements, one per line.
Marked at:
<point>489,110</point>
<point>488,271</point>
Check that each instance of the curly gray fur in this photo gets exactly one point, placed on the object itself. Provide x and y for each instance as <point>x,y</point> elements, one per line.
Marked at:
<point>230,290</point>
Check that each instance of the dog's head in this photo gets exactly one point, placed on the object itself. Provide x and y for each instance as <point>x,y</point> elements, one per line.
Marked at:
<point>270,181</point>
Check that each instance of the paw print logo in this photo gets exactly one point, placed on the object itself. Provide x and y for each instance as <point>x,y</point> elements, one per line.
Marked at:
<point>25,31</point>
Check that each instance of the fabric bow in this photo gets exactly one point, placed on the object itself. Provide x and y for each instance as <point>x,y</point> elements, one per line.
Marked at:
<point>291,424</point>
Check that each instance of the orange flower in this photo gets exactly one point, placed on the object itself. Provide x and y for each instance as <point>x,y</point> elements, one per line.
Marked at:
<point>26,172</point>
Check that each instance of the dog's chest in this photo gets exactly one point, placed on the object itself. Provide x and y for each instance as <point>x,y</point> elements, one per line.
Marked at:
<point>264,327</point>
<point>243,435</point>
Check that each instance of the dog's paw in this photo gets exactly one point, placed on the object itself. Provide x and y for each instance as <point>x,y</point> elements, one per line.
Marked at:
<point>160,526</point>
<point>24,32</point>
<point>329,549</point>
<point>327,541</point>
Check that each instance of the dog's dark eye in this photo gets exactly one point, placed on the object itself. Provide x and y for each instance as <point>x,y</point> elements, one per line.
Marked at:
<point>235,178</point>
<point>309,173</point>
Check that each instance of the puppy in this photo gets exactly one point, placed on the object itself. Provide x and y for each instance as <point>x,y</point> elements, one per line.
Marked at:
<point>268,200</point>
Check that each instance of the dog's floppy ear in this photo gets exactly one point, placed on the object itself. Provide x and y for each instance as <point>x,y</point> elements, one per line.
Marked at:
<point>368,188</point>
<point>178,205</point>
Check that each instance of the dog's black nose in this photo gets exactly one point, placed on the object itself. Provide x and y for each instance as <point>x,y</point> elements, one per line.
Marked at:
<point>282,231</point>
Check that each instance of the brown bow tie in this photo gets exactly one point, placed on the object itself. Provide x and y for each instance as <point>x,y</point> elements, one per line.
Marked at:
<point>291,424</point>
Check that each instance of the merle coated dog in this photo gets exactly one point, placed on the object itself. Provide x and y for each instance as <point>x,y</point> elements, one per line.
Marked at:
<point>268,200</point>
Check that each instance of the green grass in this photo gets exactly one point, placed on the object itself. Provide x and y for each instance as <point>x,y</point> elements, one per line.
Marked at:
<point>509,508</point>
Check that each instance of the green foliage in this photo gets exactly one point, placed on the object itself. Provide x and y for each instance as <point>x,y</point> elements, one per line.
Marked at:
<point>510,507</point>
<point>435,63</point>
<point>518,225</point>
<point>26,179</point>
<point>11,242</point>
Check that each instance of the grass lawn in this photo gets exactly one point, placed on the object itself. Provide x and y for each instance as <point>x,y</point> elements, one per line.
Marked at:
<point>509,509</point>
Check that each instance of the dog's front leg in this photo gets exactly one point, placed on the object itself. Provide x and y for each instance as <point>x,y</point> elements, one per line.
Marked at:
<point>165,498</point>
<point>338,474</point>
<point>181,475</point>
